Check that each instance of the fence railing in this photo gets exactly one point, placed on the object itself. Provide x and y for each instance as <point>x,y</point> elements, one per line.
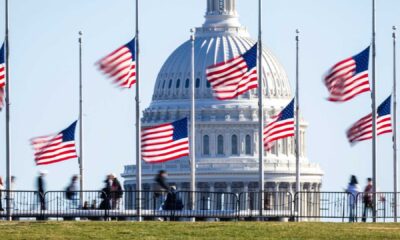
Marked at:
<point>99,205</point>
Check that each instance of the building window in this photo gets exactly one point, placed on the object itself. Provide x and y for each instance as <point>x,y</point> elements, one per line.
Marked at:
<point>178,83</point>
<point>163,85</point>
<point>187,83</point>
<point>220,145</point>
<point>170,83</point>
<point>197,82</point>
<point>234,145</point>
<point>248,145</point>
<point>206,145</point>
<point>208,84</point>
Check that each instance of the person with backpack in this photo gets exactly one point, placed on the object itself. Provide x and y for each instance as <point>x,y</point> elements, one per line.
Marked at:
<point>105,194</point>
<point>72,192</point>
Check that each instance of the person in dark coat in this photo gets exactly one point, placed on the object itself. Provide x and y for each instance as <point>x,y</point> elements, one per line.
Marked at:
<point>173,202</point>
<point>41,186</point>
<point>367,199</point>
<point>106,193</point>
<point>161,187</point>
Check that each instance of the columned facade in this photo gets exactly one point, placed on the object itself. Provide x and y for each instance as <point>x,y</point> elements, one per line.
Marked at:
<point>226,131</point>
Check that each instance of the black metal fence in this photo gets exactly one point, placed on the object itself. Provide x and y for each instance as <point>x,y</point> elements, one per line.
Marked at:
<point>98,205</point>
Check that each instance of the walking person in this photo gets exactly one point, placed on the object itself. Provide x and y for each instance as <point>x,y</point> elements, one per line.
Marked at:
<point>105,194</point>
<point>116,192</point>
<point>353,189</point>
<point>72,192</point>
<point>41,186</point>
<point>161,188</point>
<point>367,199</point>
<point>1,193</point>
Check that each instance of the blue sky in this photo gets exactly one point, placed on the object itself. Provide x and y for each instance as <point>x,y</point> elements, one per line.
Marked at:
<point>44,75</point>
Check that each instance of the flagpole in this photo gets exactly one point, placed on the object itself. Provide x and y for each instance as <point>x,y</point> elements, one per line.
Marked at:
<point>192,126</point>
<point>260,113</point>
<point>7,100</point>
<point>394,125</point>
<point>297,116</point>
<point>81,177</point>
<point>373,95</point>
<point>138,123</point>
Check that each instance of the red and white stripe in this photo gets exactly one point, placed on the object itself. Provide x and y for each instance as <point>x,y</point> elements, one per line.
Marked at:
<point>2,83</point>
<point>120,66</point>
<point>276,130</point>
<point>362,129</point>
<point>51,149</point>
<point>342,84</point>
<point>158,144</point>
<point>231,78</point>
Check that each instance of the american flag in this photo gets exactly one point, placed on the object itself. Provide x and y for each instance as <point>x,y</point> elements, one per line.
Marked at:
<point>281,126</point>
<point>362,129</point>
<point>234,77</point>
<point>348,78</point>
<point>120,65</point>
<point>55,148</point>
<point>165,142</point>
<point>2,75</point>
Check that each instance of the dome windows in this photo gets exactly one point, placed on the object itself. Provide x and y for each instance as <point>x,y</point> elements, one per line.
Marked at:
<point>187,83</point>
<point>197,82</point>
<point>220,145</point>
<point>206,145</point>
<point>178,83</point>
<point>248,145</point>
<point>170,84</point>
<point>234,142</point>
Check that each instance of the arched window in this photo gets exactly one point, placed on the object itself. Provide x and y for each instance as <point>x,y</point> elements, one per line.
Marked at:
<point>220,145</point>
<point>170,83</point>
<point>206,145</point>
<point>178,83</point>
<point>208,84</point>
<point>234,142</point>
<point>163,85</point>
<point>187,83</point>
<point>248,145</point>
<point>197,82</point>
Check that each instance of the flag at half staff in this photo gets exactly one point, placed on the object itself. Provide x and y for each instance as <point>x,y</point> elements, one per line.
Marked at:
<point>281,126</point>
<point>362,129</point>
<point>2,75</point>
<point>234,77</point>
<point>165,142</point>
<point>55,148</point>
<point>120,65</point>
<point>348,78</point>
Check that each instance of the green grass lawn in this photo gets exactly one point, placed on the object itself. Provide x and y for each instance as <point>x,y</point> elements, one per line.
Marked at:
<point>198,230</point>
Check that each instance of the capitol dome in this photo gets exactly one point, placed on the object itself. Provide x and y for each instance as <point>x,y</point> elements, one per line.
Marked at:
<point>226,131</point>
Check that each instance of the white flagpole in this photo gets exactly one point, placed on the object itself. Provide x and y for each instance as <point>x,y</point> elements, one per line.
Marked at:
<point>138,124</point>
<point>373,96</point>
<point>81,177</point>
<point>260,112</point>
<point>192,127</point>
<point>394,126</point>
<point>297,138</point>
<point>7,100</point>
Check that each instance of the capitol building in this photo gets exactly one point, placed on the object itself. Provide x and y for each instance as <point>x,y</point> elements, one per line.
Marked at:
<point>226,131</point>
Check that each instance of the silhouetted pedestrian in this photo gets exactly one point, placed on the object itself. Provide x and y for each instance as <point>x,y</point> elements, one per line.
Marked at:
<point>105,194</point>
<point>116,192</point>
<point>367,199</point>
<point>161,187</point>
<point>41,186</point>
<point>72,192</point>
